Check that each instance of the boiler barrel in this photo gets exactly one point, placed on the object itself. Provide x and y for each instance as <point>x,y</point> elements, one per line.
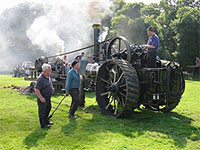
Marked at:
<point>92,69</point>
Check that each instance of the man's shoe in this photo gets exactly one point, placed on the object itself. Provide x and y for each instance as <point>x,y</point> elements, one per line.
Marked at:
<point>46,127</point>
<point>72,117</point>
<point>50,123</point>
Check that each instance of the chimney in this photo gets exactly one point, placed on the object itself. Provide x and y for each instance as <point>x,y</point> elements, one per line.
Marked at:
<point>96,28</point>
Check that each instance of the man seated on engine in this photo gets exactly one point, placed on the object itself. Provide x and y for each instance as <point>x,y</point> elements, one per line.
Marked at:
<point>152,48</point>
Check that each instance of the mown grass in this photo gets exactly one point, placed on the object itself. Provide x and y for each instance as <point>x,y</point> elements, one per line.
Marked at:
<point>144,130</point>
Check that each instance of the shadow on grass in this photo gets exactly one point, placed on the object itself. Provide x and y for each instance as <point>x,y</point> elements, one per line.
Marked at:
<point>69,128</point>
<point>32,139</point>
<point>174,125</point>
<point>141,122</point>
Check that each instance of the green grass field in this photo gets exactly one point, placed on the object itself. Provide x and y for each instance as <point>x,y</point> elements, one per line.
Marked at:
<point>144,130</point>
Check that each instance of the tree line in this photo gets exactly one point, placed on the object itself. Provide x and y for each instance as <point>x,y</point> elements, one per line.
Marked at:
<point>176,22</point>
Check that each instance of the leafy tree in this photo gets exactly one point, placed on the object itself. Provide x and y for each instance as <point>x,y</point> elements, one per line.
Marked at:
<point>176,23</point>
<point>186,28</point>
<point>128,22</point>
<point>166,34</point>
<point>151,10</point>
<point>106,19</point>
<point>189,3</point>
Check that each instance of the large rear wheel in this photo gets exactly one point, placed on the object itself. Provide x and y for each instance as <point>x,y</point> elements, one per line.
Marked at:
<point>117,88</point>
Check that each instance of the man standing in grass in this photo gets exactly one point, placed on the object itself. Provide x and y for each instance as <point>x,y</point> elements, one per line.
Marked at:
<point>72,88</point>
<point>44,89</point>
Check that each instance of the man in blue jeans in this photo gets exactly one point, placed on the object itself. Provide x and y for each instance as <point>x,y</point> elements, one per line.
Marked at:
<point>72,88</point>
<point>152,47</point>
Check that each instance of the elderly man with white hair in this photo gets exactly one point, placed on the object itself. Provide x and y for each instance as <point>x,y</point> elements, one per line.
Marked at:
<point>44,90</point>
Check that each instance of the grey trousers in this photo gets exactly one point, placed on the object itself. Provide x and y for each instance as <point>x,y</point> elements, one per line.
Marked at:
<point>44,110</point>
<point>75,100</point>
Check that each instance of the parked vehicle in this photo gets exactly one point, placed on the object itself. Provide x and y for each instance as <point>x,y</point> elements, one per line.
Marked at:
<point>24,70</point>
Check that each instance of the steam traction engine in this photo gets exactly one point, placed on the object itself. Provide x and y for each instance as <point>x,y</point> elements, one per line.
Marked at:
<point>121,80</point>
<point>123,83</point>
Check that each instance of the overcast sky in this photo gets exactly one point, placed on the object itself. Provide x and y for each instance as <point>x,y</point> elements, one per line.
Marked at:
<point>11,3</point>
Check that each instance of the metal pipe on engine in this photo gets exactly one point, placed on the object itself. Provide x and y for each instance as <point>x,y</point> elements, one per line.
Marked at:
<point>96,28</point>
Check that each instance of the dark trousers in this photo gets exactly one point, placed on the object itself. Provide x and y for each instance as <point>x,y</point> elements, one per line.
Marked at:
<point>150,58</point>
<point>75,100</point>
<point>44,110</point>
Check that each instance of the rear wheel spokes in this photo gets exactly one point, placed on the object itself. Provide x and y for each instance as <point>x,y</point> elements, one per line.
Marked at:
<point>110,101</point>
<point>105,81</point>
<point>122,94</point>
<point>123,101</point>
<point>105,93</point>
<point>114,103</point>
<point>116,68</point>
<point>120,77</point>
<point>109,75</point>
<point>116,106</point>
<point>122,85</point>
<point>116,74</point>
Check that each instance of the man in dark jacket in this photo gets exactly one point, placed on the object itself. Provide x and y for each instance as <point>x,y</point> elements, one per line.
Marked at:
<point>72,88</point>
<point>44,90</point>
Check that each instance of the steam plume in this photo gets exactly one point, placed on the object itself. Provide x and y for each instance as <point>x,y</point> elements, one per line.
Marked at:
<point>34,28</point>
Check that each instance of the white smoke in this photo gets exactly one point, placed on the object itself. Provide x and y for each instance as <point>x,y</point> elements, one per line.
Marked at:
<point>3,45</point>
<point>104,33</point>
<point>74,18</point>
<point>47,27</point>
<point>42,34</point>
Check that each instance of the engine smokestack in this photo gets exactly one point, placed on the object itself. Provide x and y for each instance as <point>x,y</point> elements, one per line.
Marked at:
<point>96,28</point>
